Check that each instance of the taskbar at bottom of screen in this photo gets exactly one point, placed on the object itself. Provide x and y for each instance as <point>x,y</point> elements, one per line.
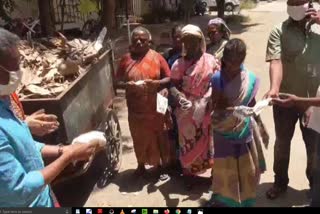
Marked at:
<point>139,211</point>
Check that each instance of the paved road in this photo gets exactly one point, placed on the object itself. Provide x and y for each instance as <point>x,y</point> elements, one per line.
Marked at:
<point>125,191</point>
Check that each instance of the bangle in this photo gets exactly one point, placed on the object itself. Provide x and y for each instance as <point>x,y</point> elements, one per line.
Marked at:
<point>60,149</point>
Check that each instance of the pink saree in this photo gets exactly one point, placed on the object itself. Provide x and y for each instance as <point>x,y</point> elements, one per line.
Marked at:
<point>195,134</point>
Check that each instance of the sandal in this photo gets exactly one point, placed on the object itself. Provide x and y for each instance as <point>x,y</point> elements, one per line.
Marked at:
<point>164,177</point>
<point>274,192</point>
<point>163,173</point>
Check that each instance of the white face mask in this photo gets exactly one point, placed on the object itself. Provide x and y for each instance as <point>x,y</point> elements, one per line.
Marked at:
<point>297,13</point>
<point>14,81</point>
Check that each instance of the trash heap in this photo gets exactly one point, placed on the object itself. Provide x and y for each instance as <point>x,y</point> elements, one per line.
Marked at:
<point>51,65</point>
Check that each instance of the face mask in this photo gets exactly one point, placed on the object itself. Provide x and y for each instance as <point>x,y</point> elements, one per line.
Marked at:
<point>297,13</point>
<point>14,81</point>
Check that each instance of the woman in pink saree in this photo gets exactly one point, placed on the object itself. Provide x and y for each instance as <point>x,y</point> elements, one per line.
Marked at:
<point>190,79</point>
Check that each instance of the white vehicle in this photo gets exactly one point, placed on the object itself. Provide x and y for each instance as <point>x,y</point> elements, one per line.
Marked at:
<point>230,5</point>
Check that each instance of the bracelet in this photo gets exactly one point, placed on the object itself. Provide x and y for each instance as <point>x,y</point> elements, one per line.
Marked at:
<point>60,149</point>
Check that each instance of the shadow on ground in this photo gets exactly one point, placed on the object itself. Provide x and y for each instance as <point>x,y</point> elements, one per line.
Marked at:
<point>237,23</point>
<point>180,186</point>
<point>177,185</point>
<point>291,198</point>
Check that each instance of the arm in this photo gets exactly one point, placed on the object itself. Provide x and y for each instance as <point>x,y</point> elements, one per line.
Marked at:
<point>53,152</point>
<point>24,186</point>
<point>274,57</point>
<point>176,82</point>
<point>315,101</point>
<point>74,152</point>
<point>275,77</point>
<point>51,171</point>
<point>290,100</point>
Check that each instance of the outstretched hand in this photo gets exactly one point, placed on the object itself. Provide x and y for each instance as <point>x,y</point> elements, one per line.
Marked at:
<point>285,100</point>
<point>41,124</point>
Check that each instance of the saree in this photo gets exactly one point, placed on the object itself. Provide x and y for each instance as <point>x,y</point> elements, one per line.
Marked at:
<point>217,49</point>
<point>148,128</point>
<point>195,134</point>
<point>238,156</point>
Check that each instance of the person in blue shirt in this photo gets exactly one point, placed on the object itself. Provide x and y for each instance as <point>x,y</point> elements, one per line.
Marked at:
<point>24,180</point>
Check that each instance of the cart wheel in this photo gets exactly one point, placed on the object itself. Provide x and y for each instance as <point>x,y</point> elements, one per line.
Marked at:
<point>111,126</point>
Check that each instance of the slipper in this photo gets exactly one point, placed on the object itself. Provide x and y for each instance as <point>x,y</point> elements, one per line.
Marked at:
<point>164,177</point>
<point>274,192</point>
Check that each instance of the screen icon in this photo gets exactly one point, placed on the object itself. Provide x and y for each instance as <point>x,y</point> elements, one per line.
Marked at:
<point>111,211</point>
<point>155,211</point>
<point>144,211</point>
<point>77,211</point>
<point>134,211</point>
<point>200,211</point>
<point>99,211</point>
<point>166,211</point>
<point>122,212</point>
<point>189,211</point>
<point>178,211</point>
<point>88,211</point>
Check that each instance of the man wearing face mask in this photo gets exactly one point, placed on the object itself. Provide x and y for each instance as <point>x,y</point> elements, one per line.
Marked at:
<point>293,52</point>
<point>24,181</point>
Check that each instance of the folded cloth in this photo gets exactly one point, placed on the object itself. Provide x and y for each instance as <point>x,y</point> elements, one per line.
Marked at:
<point>93,137</point>
<point>245,111</point>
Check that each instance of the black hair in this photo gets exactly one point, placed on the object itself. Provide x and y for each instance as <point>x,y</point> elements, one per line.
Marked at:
<point>7,40</point>
<point>175,29</point>
<point>235,48</point>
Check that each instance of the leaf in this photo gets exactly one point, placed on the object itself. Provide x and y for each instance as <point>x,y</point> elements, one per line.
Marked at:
<point>36,90</point>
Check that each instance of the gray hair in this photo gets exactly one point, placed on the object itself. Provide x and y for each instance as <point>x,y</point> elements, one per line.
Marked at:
<point>141,29</point>
<point>7,40</point>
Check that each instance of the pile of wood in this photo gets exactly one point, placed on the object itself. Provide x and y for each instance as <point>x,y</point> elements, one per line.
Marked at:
<point>51,65</point>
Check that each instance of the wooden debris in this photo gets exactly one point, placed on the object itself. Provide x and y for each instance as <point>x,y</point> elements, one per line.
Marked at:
<point>50,65</point>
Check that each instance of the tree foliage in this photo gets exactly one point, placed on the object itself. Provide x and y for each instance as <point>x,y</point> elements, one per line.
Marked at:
<point>88,6</point>
<point>6,7</point>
